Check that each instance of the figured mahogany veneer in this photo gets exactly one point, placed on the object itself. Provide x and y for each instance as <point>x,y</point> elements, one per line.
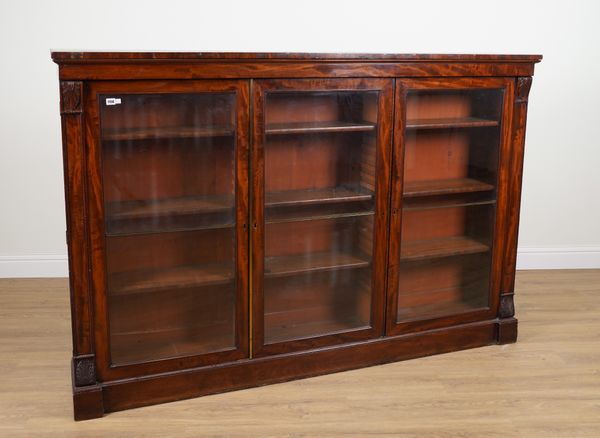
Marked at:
<point>237,219</point>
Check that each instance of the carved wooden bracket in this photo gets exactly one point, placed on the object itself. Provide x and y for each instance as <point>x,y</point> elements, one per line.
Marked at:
<point>523,87</point>
<point>84,370</point>
<point>507,306</point>
<point>70,97</point>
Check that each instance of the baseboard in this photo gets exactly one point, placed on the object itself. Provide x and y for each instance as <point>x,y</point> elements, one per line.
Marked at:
<point>584,257</point>
<point>47,265</point>
<point>575,257</point>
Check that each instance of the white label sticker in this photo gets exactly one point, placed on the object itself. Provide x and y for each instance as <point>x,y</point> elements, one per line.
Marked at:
<point>113,101</point>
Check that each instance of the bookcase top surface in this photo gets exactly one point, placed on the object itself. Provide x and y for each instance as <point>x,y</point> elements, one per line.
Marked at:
<point>91,56</point>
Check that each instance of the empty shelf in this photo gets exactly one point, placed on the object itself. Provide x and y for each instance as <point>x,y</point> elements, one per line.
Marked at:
<point>180,277</point>
<point>276,333</point>
<point>168,207</point>
<point>312,262</point>
<point>315,196</point>
<point>445,247</point>
<point>450,122</point>
<point>444,187</point>
<point>316,127</point>
<point>435,310</point>
<point>166,132</point>
<point>149,345</point>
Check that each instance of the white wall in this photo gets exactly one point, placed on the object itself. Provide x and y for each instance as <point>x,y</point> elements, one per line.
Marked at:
<point>561,208</point>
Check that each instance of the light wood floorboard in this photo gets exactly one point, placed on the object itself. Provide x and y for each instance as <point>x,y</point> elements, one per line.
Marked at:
<point>546,385</point>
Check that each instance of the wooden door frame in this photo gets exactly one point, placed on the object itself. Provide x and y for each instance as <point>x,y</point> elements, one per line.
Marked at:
<point>105,370</point>
<point>500,226</point>
<point>383,162</point>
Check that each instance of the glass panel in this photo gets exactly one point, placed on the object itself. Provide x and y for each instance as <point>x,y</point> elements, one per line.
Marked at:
<point>319,212</point>
<point>168,178</point>
<point>449,196</point>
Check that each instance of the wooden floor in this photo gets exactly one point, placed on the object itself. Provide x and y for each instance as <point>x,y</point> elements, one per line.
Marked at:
<point>546,385</point>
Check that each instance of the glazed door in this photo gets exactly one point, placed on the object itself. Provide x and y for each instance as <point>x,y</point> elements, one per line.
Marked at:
<point>320,163</point>
<point>168,177</point>
<point>447,201</point>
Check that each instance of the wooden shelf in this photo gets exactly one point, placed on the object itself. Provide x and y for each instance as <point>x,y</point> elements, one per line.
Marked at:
<point>158,280</point>
<point>166,132</point>
<point>445,247</point>
<point>433,310</point>
<point>317,127</point>
<point>124,232</point>
<point>169,215</point>
<point>312,262</point>
<point>444,187</point>
<point>315,196</point>
<point>320,217</point>
<point>444,123</point>
<point>131,347</point>
<point>169,207</point>
<point>311,329</point>
<point>444,203</point>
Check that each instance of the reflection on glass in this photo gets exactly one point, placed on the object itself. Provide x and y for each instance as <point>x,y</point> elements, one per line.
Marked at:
<point>449,191</point>
<point>168,177</point>
<point>319,212</point>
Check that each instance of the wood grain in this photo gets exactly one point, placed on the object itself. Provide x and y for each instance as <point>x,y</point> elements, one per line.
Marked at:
<point>156,280</point>
<point>74,171</point>
<point>285,239</point>
<point>172,342</point>
<point>428,233</point>
<point>523,85</point>
<point>313,262</point>
<point>167,132</point>
<point>97,227</point>
<point>83,56</point>
<point>548,384</point>
<point>446,123</point>
<point>444,187</point>
<point>443,247</point>
<point>308,137</point>
<point>168,206</point>
<point>197,65</point>
<point>227,69</point>
<point>316,127</point>
<point>315,196</point>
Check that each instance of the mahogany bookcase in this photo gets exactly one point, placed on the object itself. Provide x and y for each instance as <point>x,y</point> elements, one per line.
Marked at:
<point>238,219</point>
